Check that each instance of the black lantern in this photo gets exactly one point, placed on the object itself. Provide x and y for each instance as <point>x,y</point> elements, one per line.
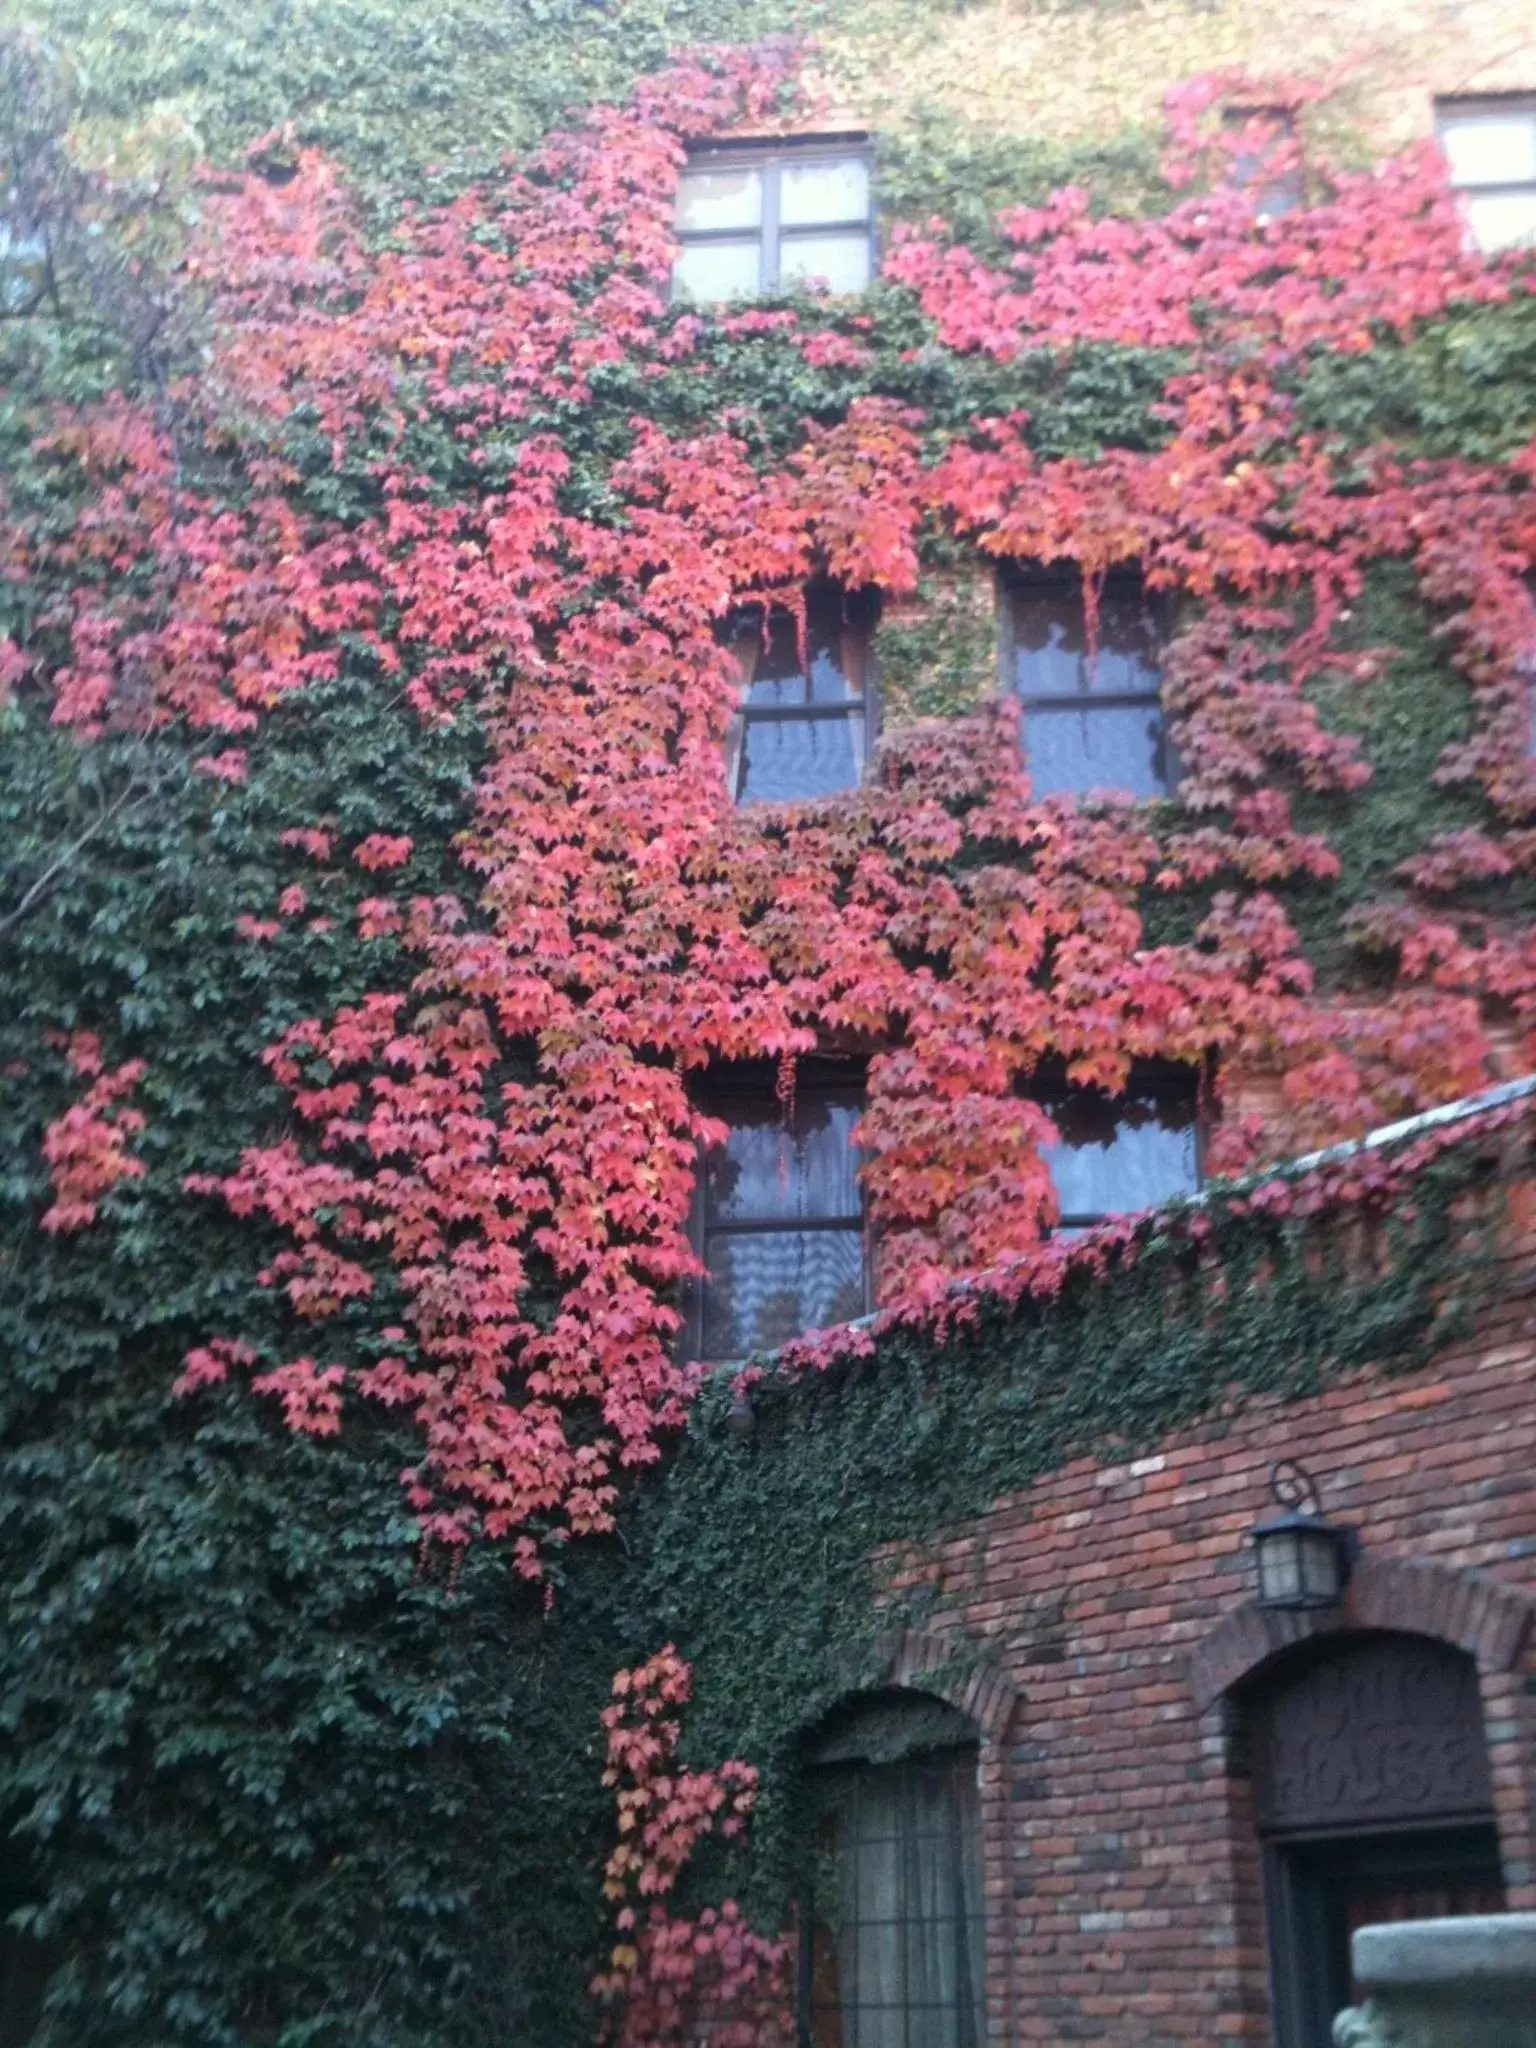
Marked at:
<point>1303,1558</point>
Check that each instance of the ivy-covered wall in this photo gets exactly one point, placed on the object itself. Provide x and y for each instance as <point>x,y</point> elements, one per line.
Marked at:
<point>279,1773</point>
<point>276,1771</point>
<point>984,93</point>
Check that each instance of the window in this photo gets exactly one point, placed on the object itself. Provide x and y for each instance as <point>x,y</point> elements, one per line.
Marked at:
<point>25,269</point>
<point>895,1954</point>
<point>757,218</point>
<point>807,715</point>
<point>1490,148</point>
<point>1089,723</point>
<point>779,1216</point>
<point>1118,1154</point>
<point>1259,134</point>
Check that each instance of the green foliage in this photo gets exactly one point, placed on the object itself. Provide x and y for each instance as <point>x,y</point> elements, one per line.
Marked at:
<point>1406,719</point>
<point>936,164</point>
<point>391,87</point>
<point>1463,386</point>
<point>1078,403</point>
<point>941,660</point>
<point>278,1778</point>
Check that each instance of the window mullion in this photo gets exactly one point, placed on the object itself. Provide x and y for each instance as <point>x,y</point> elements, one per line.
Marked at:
<point>768,270</point>
<point>1091,700</point>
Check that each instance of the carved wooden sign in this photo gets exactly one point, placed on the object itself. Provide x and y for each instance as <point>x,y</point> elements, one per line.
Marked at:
<point>1379,1728</point>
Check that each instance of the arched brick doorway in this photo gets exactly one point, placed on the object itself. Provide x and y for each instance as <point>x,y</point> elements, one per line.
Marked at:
<point>1372,1800</point>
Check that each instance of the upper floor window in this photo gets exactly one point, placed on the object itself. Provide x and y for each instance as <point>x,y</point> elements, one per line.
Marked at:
<point>807,714</point>
<point>1259,135</point>
<point>895,1948</point>
<point>755,218</point>
<point>779,1213</point>
<point>1119,1154</point>
<point>1091,721</point>
<point>1490,148</point>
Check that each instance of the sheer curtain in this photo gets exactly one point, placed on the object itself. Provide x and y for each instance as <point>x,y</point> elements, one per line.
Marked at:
<point>909,1937</point>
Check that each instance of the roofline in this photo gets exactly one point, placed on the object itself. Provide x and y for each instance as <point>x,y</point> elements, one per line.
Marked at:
<point>1463,1111</point>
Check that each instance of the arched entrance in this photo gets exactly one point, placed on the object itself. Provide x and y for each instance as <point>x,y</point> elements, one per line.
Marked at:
<point>1372,1800</point>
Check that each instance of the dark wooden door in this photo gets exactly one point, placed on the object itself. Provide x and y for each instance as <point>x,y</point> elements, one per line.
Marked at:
<point>1321,1891</point>
<point>1373,1802</point>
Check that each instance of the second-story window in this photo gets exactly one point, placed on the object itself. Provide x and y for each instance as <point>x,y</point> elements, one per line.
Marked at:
<point>1090,721</point>
<point>760,218</point>
<point>779,1215</point>
<point>1260,135</point>
<point>1118,1154</point>
<point>807,713</point>
<point>1490,150</point>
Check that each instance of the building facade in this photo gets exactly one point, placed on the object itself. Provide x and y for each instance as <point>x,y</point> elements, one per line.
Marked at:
<point>667,1031</point>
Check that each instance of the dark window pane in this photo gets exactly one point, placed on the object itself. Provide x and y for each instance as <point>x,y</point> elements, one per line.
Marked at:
<point>1120,1154</point>
<point>764,1284</point>
<point>1050,638</point>
<point>1101,746</point>
<point>1260,132</point>
<point>788,760</point>
<point>829,669</point>
<point>789,665</point>
<point>766,1172</point>
<point>764,1289</point>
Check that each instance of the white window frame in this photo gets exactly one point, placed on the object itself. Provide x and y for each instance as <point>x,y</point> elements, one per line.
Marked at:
<point>770,159</point>
<point>1490,107</point>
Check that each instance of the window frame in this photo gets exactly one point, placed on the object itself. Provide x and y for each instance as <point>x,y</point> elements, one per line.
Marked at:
<point>958,1753</point>
<point>1016,579</point>
<point>753,1083</point>
<point>769,155</point>
<point>863,710</point>
<point>1161,1079</point>
<point>1461,106</point>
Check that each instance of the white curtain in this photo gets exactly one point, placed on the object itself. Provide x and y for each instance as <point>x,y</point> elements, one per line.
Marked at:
<point>910,1929</point>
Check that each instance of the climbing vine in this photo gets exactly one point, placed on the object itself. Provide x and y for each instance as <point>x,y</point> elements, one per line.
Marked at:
<point>370,659</point>
<point>668,1972</point>
<point>509,1129</point>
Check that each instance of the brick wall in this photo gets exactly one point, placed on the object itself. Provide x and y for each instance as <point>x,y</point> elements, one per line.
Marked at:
<point>1106,1614</point>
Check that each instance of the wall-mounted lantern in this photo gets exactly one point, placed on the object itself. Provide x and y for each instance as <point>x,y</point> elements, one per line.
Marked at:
<point>1303,1558</point>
